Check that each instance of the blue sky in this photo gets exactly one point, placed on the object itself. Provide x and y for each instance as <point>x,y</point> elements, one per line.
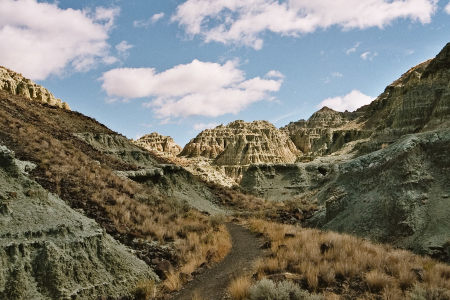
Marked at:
<point>177,67</point>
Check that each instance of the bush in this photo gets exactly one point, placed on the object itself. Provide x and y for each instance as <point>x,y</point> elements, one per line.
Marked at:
<point>145,290</point>
<point>267,290</point>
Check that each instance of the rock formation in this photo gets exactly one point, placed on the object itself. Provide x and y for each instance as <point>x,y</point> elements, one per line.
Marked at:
<point>396,189</point>
<point>16,84</point>
<point>326,131</point>
<point>398,194</point>
<point>49,251</point>
<point>240,144</point>
<point>160,144</point>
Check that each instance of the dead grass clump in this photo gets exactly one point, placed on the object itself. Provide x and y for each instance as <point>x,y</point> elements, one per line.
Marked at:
<point>377,280</point>
<point>239,288</point>
<point>145,290</point>
<point>326,260</point>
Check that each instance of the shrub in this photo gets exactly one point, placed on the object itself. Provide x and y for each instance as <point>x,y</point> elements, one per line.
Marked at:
<point>267,290</point>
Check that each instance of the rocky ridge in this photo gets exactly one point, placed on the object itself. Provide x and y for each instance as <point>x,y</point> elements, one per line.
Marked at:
<point>159,144</point>
<point>14,83</point>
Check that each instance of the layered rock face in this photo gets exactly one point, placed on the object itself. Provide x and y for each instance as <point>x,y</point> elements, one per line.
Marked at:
<point>399,194</point>
<point>160,144</point>
<point>240,144</point>
<point>326,131</point>
<point>16,84</point>
<point>65,256</point>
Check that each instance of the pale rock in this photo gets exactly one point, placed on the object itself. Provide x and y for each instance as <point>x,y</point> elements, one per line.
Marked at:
<point>160,144</point>
<point>16,84</point>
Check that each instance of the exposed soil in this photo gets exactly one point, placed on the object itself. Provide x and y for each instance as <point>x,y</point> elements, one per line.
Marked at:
<point>212,284</point>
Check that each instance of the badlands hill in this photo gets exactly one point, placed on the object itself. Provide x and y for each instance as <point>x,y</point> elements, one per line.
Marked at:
<point>387,176</point>
<point>237,145</point>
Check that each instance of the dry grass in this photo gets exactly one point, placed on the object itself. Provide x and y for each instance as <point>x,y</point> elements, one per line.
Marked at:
<point>326,260</point>
<point>145,290</point>
<point>71,169</point>
<point>239,288</point>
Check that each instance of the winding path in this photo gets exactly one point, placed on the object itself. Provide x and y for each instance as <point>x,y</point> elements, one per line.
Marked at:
<point>212,284</point>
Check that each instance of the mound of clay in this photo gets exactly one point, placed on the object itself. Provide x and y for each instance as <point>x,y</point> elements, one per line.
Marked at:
<point>49,251</point>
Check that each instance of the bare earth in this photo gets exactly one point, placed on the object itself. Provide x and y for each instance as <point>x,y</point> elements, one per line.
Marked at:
<point>212,284</point>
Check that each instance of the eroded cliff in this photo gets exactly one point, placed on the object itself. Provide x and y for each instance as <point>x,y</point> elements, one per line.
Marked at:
<point>159,144</point>
<point>16,84</point>
<point>239,144</point>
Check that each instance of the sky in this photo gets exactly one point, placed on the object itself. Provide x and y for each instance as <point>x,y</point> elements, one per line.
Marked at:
<point>177,67</point>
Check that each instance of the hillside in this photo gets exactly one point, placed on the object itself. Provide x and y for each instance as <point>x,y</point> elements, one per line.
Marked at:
<point>87,166</point>
<point>387,176</point>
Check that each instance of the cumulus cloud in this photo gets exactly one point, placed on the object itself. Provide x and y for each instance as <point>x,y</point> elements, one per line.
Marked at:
<point>352,101</point>
<point>197,88</point>
<point>242,22</point>
<point>155,18</point>
<point>39,39</point>
<point>274,74</point>
<point>447,8</point>
<point>202,126</point>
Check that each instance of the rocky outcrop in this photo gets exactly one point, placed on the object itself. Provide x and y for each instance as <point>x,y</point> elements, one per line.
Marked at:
<point>65,256</point>
<point>240,144</point>
<point>16,84</point>
<point>160,144</point>
<point>326,132</point>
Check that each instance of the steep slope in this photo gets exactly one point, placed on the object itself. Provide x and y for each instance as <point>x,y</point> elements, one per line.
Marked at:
<point>48,251</point>
<point>16,84</point>
<point>397,192</point>
<point>80,160</point>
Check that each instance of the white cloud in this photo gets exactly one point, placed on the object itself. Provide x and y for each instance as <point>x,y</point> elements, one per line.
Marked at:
<point>123,48</point>
<point>351,50</point>
<point>352,101</point>
<point>368,55</point>
<point>197,88</point>
<point>365,55</point>
<point>155,18</point>
<point>39,39</point>
<point>244,21</point>
<point>202,126</point>
<point>447,8</point>
<point>336,74</point>
<point>274,74</point>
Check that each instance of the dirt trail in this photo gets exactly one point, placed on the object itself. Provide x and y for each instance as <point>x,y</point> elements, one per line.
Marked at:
<point>212,284</point>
